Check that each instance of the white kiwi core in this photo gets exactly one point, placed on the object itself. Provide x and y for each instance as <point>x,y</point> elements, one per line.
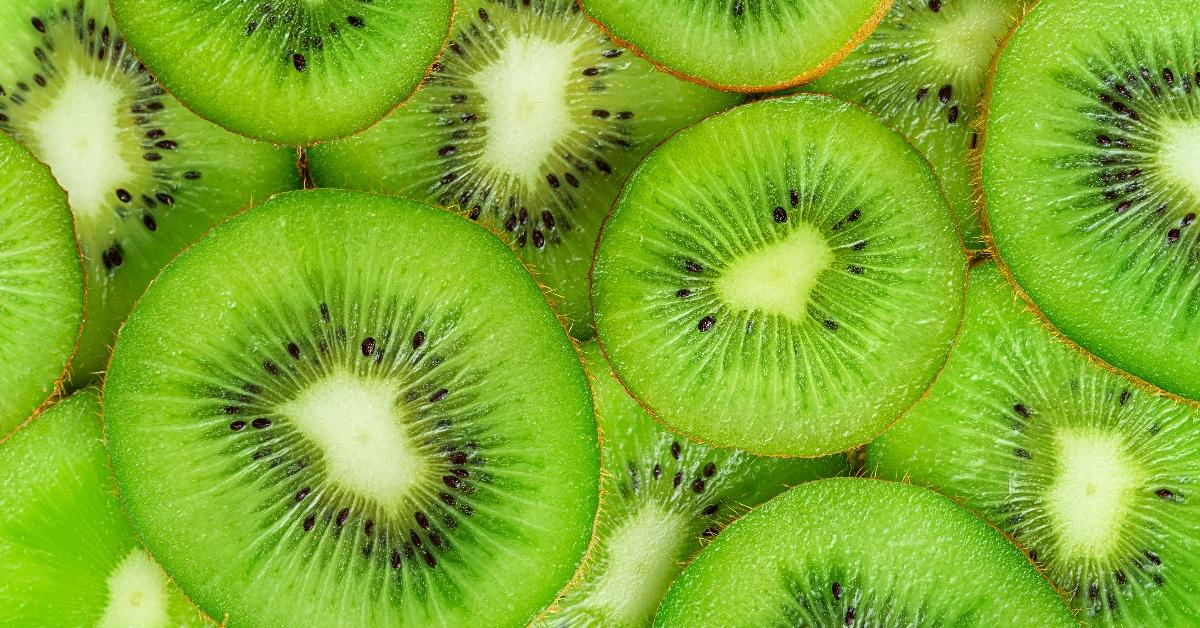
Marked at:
<point>643,560</point>
<point>778,278</point>
<point>1180,154</point>
<point>137,594</point>
<point>1095,485</point>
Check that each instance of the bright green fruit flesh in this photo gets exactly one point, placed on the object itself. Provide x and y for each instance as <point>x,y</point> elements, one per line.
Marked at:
<point>758,286</point>
<point>144,176</point>
<point>1094,476</point>
<point>855,552</point>
<point>70,557</point>
<point>288,71</point>
<point>663,497</point>
<point>365,412</point>
<point>1091,176</point>
<point>41,285</point>
<point>529,124</point>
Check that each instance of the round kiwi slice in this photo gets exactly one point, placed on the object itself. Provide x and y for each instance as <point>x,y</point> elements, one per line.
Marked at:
<point>1090,473</point>
<point>529,124</point>
<point>741,45</point>
<point>859,552</point>
<point>663,497</point>
<point>364,411</point>
<point>784,278</point>
<point>923,71</point>
<point>1091,179</point>
<point>41,285</point>
<point>288,71</point>
<point>70,557</point>
<point>144,176</point>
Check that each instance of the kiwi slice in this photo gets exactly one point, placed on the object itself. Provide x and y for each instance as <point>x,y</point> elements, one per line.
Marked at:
<point>365,413</point>
<point>41,285</point>
<point>1092,474</point>
<point>763,283</point>
<point>70,557</point>
<point>529,124</point>
<point>288,71</point>
<point>1091,176</point>
<point>663,498</point>
<point>144,176</point>
<point>860,552</point>
<point>923,71</point>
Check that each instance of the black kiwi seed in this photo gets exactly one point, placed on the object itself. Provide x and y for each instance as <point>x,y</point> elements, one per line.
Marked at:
<point>706,323</point>
<point>693,267</point>
<point>780,215</point>
<point>368,347</point>
<point>836,590</point>
<point>676,450</point>
<point>302,493</point>
<point>683,293</point>
<point>309,522</point>
<point>237,426</point>
<point>293,350</point>
<point>355,21</point>
<point>261,423</point>
<point>849,616</point>
<point>944,93</point>
<point>830,324</point>
<point>935,5</point>
<point>124,196</point>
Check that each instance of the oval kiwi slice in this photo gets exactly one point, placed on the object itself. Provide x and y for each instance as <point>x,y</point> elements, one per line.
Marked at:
<point>1091,179</point>
<point>288,71</point>
<point>783,278</point>
<point>41,285</point>
<point>1092,474</point>
<point>856,552</point>
<point>342,408</point>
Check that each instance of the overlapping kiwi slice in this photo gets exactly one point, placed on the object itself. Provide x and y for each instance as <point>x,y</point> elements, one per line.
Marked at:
<point>41,285</point>
<point>1096,477</point>
<point>1091,171</point>
<point>143,175</point>
<point>288,71</point>
<point>760,284</point>
<point>529,123</point>
<point>364,413</point>
<point>923,71</point>
<point>859,552</point>
<point>663,497</point>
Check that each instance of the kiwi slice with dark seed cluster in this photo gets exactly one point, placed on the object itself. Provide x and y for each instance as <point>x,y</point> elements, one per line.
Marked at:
<point>70,557</point>
<point>365,413</point>
<point>288,71</point>
<point>1096,477</point>
<point>143,175</point>
<point>663,497</point>
<point>41,285</point>
<point>759,284</point>
<point>1091,172</point>
<point>529,124</point>
<point>860,552</point>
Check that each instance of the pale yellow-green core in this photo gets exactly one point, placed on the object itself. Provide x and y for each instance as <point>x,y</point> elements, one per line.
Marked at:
<point>137,594</point>
<point>642,563</point>
<point>1179,156</point>
<point>778,278</point>
<point>968,36</point>
<point>1095,484</point>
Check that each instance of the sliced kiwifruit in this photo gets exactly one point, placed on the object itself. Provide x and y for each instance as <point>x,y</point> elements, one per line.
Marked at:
<point>860,552</point>
<point>70,557</point>
<point>143,175</point>
<point>41,285</point>
<point>529,123</point>
<point>1096,477</point>
<point>663,497</point>
<point>766,282</point>
<point>341,408</point>
<point>923,71</point>
<point>1091,171</point>
<point>288,71</point>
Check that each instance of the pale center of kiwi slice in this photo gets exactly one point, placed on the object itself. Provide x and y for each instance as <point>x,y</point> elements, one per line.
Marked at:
<point>778,278</point>
<point>963,43</point>
<point>1094,488</point>
<point>1180,153</point>
<point>642,558</point>
<point>137,593</point>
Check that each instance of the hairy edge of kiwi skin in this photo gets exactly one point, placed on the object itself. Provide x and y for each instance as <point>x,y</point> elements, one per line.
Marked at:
<point>881,10</point>
<point>851,451</point>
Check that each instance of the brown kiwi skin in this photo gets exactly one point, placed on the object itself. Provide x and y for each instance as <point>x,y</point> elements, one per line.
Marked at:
<point>849,451</point>
<point>859,36</point>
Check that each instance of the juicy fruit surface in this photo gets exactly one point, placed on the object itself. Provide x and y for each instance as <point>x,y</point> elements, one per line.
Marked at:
<point>529,123</point>
<point>288,71</point>
<point>750,45</point>
<point>663,498</point>
<point>1092,475</point>
<point>755,287</point>
<point>41,285</point>
<point>862,552</point>
<point>144,176</point>
<point>70,557</point>
<point>386,422</point>
<point>1089,171</point>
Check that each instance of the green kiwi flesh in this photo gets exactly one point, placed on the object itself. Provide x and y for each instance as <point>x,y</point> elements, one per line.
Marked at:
<point>529,123</point>
<point>144,176</point>
<point>365,412</point>
<point>860,552</point>
<point>758,285</point>
<point>1091,179</point>
<point>1093,475</point>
